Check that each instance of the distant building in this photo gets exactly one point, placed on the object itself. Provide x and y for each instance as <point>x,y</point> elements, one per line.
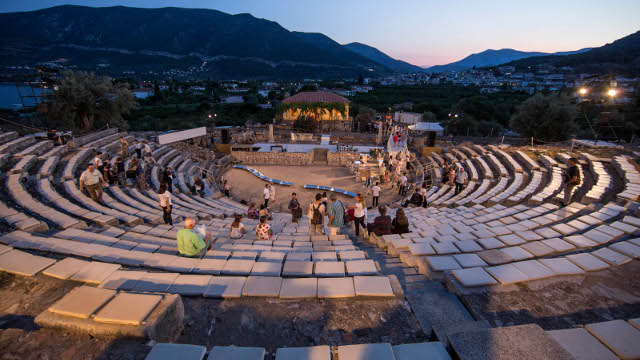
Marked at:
<point>407,117</point>
<point>233,100</point>
<point>142,93</point>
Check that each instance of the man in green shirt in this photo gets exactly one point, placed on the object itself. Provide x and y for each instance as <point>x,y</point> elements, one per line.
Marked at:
<point>191,244</point>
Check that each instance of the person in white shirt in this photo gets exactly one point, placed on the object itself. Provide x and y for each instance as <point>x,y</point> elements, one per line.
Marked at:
<point>164,200</point>
<point>266,194</point>
<point>376,194</point>
<point>98,162</point>
<point>237,229</point>
<point>403,185</point>
<point>360,211</point>
<point>92,179</point>
<point>423,193</point>
<point>461,179</point>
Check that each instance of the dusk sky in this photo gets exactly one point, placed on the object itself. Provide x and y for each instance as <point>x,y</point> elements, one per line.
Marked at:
<point>426,32</point>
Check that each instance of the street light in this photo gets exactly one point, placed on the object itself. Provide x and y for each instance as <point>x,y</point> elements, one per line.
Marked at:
<point>612,92</point>
<point>583,91</point>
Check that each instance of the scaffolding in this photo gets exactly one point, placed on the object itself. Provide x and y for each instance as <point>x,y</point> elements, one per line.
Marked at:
<point>35,91</point>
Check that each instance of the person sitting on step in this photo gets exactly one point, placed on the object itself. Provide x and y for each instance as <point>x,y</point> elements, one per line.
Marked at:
<point>190,244</point>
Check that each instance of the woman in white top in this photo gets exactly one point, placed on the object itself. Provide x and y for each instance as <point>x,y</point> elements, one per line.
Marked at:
<point>359,214</point>
<point>237,229</point>
<point>164,200</point>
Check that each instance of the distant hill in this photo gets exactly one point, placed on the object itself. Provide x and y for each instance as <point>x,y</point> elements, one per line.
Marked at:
<point>621,56</point>
<point>124,38</point>
<point>382,58</point>
<point>492,58</point>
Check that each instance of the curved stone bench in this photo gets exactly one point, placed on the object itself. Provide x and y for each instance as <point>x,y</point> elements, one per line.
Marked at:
<point>20,220</point>
<point>497,164</point>
<point>552,187</point>
<point>484,185</point>
<point>36,149</point>
<point>88,203</point>
<point>17,144</point>
<point>631,178</point>
<point>73,163</point>
<point>501,185</point>
<point>534,183</point>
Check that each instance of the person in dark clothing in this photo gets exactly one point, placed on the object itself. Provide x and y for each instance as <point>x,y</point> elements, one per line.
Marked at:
<point>381,224</point>
<point>294,207</point>
<point>167,176</point>
<point>416,199</point>
<point>400,225</point>
<point>570,180</point>
<point>198,187</point>
<point>121,172</point>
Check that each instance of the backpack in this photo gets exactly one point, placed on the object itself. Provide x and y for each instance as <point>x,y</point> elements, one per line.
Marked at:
<point>317,216</point>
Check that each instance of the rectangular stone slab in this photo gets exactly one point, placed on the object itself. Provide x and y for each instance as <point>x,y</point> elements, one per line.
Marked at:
<point>322,352</point>
<point>517,253</point>
<point>434,350</point>
<point>30,266</point>
<point>182,264</point>
<point>507,274</point>
<point>237,267</point>
<point>225,287</point>
<point>336,287</point>
<point>382,351</point>
<point>443,263</point>
<point>122,280</point>
<point>266,269</point>
<point>507,343</point>
<point>469,260</point>
<point>176,351</point>
<point>611,257</point>
<point>95,273</point>
<point>155,282</point>
<point>262,286</point>
<point>236,353</point>
<point>129,309</point>
<point>299,288</point>
<point>562,266</point>
<point>64,268</point>
<point>297,268</point>
<point>587,262</point>
<point>329,268</point>
<point>372,286</point>
<point>190,285</point>
<point>209,266</point>
<point>473,277</point>
<point>533,269</point>
<point>82,301</point>
<point>619,336</point>
<point>361,267</point>
<point>581,345</point>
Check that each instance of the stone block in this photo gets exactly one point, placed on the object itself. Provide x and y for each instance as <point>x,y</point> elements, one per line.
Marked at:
<point>537,248</point>
<point>271,256</point>
<point>176,351</point>
<point>533,269</point>
<point>182,264</point>
<point>562,266</point>
<point>558,244</point>
<point>469,260</point>
<point>324,256</point>
<point>445,248</point>
<point>429,350</point>
<point>26,264</point>
<point>467,246</point>
<point>361,267</point>
<point>129,309</point>
<point>95,272</point>
<point>581,345</point>
<point>382,351</point>
<point>297,268</point>
<point>155,282</point>
<point>122,280</point>
<point>209,266</point>
<point>351,255</point>
<point>266,269</point>
<point>494,257</point>
<point>262,286</point>
<point>517,253</point>
<point>82,301</point>
<point>299,288</point>
<point>619,336</point>
<point>329,268</point>
<point>611,257</point>
<point>587,262</point>
<point>473,277</point>
<point>322,352</point>
<point>225,287</point>
<point>190,285</point>
<point>372,286</point>
<point>237,267</point>
<point>442,263</point>
<point>336,287</point>
<point>627,248</point>
<point>298,256</point>
<point>507,274</point>
<point>236,353</point>
<point>512,239</point>
<point>491,243</point>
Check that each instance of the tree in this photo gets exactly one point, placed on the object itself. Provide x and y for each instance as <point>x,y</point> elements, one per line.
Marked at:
<point>305,124</point>
<point>308,87</point>
<point>85,102</point>
<point>365,118</point>
<point>545,117</point>
<point>428,116</point>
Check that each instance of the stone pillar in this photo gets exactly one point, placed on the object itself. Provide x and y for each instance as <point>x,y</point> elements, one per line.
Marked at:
<point>379,139</point>
<point>270,133</point>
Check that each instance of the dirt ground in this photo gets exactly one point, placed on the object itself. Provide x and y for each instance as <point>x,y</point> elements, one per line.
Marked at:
<point>268,323</point>
<point>599,296</point>
<point>246,186</point>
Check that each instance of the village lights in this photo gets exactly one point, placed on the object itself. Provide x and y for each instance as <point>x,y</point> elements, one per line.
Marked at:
<point>583,91</point>
<point>612,92</point>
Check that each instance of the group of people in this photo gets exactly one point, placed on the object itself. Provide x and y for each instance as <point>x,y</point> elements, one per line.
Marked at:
<point>454,176</point>
<point>399,138</point>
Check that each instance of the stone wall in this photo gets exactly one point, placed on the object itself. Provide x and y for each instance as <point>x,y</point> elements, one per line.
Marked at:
<point>271,158</point>
<point>342,158</point>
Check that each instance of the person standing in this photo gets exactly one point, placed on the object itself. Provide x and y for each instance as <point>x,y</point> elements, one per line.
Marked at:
<point>294,207</point>
<point>97,160</point>
<point>395,139</point>
<point>376,194</point>
<point>124,152</point>
<point>164,200</point>
<point>570,180</point>
<point>121,171</point>
<point>316,215</point>
<point>403,185</point>
<point>92,179</point>
<point>360,208</point>
<point>139,149</point>
<point>461,180</point>
<point>336,215</point>
<point>226,188</point>
<point>140,175</point>
<point>167,176</point>
<point>266,195</point>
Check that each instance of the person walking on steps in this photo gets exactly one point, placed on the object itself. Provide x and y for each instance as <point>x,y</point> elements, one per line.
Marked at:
<point>164,200</point>
<point>294,207</point>
<point>461,180</point>
<point>402,190</point>
<point>316,215</point>
<point>376,194</point>
<point>92,179</point>
<point>124,152</point>
<point>570,179</point>
<point>336,215</point>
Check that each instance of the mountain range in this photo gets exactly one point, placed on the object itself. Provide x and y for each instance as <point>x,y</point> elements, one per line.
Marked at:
<point>492,58</point>
<point>382,58</point>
